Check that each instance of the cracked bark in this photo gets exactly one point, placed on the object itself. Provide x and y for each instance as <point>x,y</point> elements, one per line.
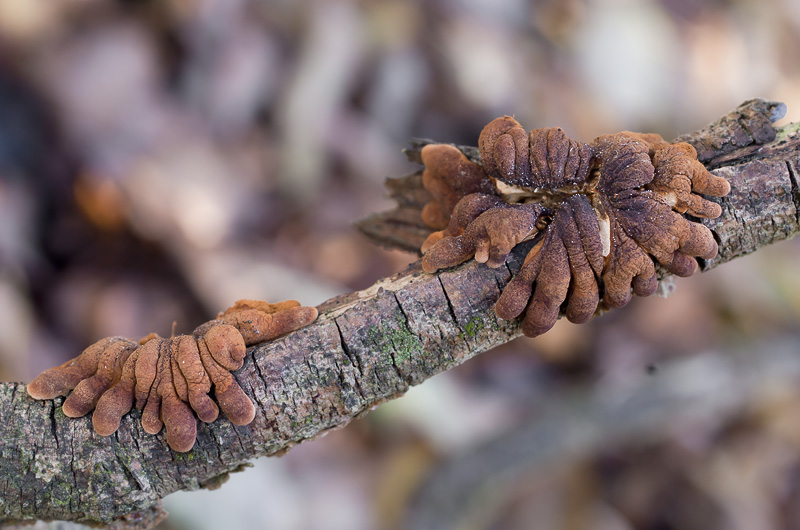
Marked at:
<point>367,347</point>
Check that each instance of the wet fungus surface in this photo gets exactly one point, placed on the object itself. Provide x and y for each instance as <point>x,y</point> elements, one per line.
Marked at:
<point>172,380</point>
<point>602,214</point>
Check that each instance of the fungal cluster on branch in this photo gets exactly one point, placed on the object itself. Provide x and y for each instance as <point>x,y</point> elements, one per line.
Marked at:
<point>602,214</point>
<point>170,379</point>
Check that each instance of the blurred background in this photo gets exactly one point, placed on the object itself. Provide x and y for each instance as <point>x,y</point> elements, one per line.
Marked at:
<point>160,159</point>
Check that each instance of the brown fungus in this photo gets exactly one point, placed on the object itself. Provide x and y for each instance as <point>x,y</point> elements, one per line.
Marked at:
<point>171,380</point>
<point>605,212</point>
<point>88,375</point>
<point>466,211</point>
<point>448,176</point>
<point>489,237</point>
<point>564,265</point>
<point>680,177</point>
<point>544,158</point>
<point>643,198</point>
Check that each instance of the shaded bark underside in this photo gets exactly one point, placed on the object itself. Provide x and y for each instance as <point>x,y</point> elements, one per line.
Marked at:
<point>366,347</point>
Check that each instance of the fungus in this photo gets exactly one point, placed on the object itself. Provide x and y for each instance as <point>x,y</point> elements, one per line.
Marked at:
<point>490,236</point>
<point>465,211</point>
<point>448,176</point>
<point>564,265</point>
<point>88,375</point>
<point>645,195</point>
<point>605,212</point>
<point>545,158</point>
<point>680,177</point>
<point>170,379</point>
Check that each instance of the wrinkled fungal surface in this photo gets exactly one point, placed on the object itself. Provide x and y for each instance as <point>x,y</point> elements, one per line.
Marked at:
<point>172,380</point>
<point>449,176</point>
<point>602,215</point>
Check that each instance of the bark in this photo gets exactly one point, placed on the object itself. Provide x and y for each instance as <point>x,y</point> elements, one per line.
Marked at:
<point>366,347</point>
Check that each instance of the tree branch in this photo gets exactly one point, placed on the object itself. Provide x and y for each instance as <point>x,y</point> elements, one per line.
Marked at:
<point>367,347</point>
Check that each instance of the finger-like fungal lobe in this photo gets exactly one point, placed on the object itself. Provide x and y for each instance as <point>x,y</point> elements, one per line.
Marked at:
<point>602,215</point>
<point>173,381</point>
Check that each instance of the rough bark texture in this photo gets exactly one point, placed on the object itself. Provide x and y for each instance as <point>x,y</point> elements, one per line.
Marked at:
<point>367,347</point>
